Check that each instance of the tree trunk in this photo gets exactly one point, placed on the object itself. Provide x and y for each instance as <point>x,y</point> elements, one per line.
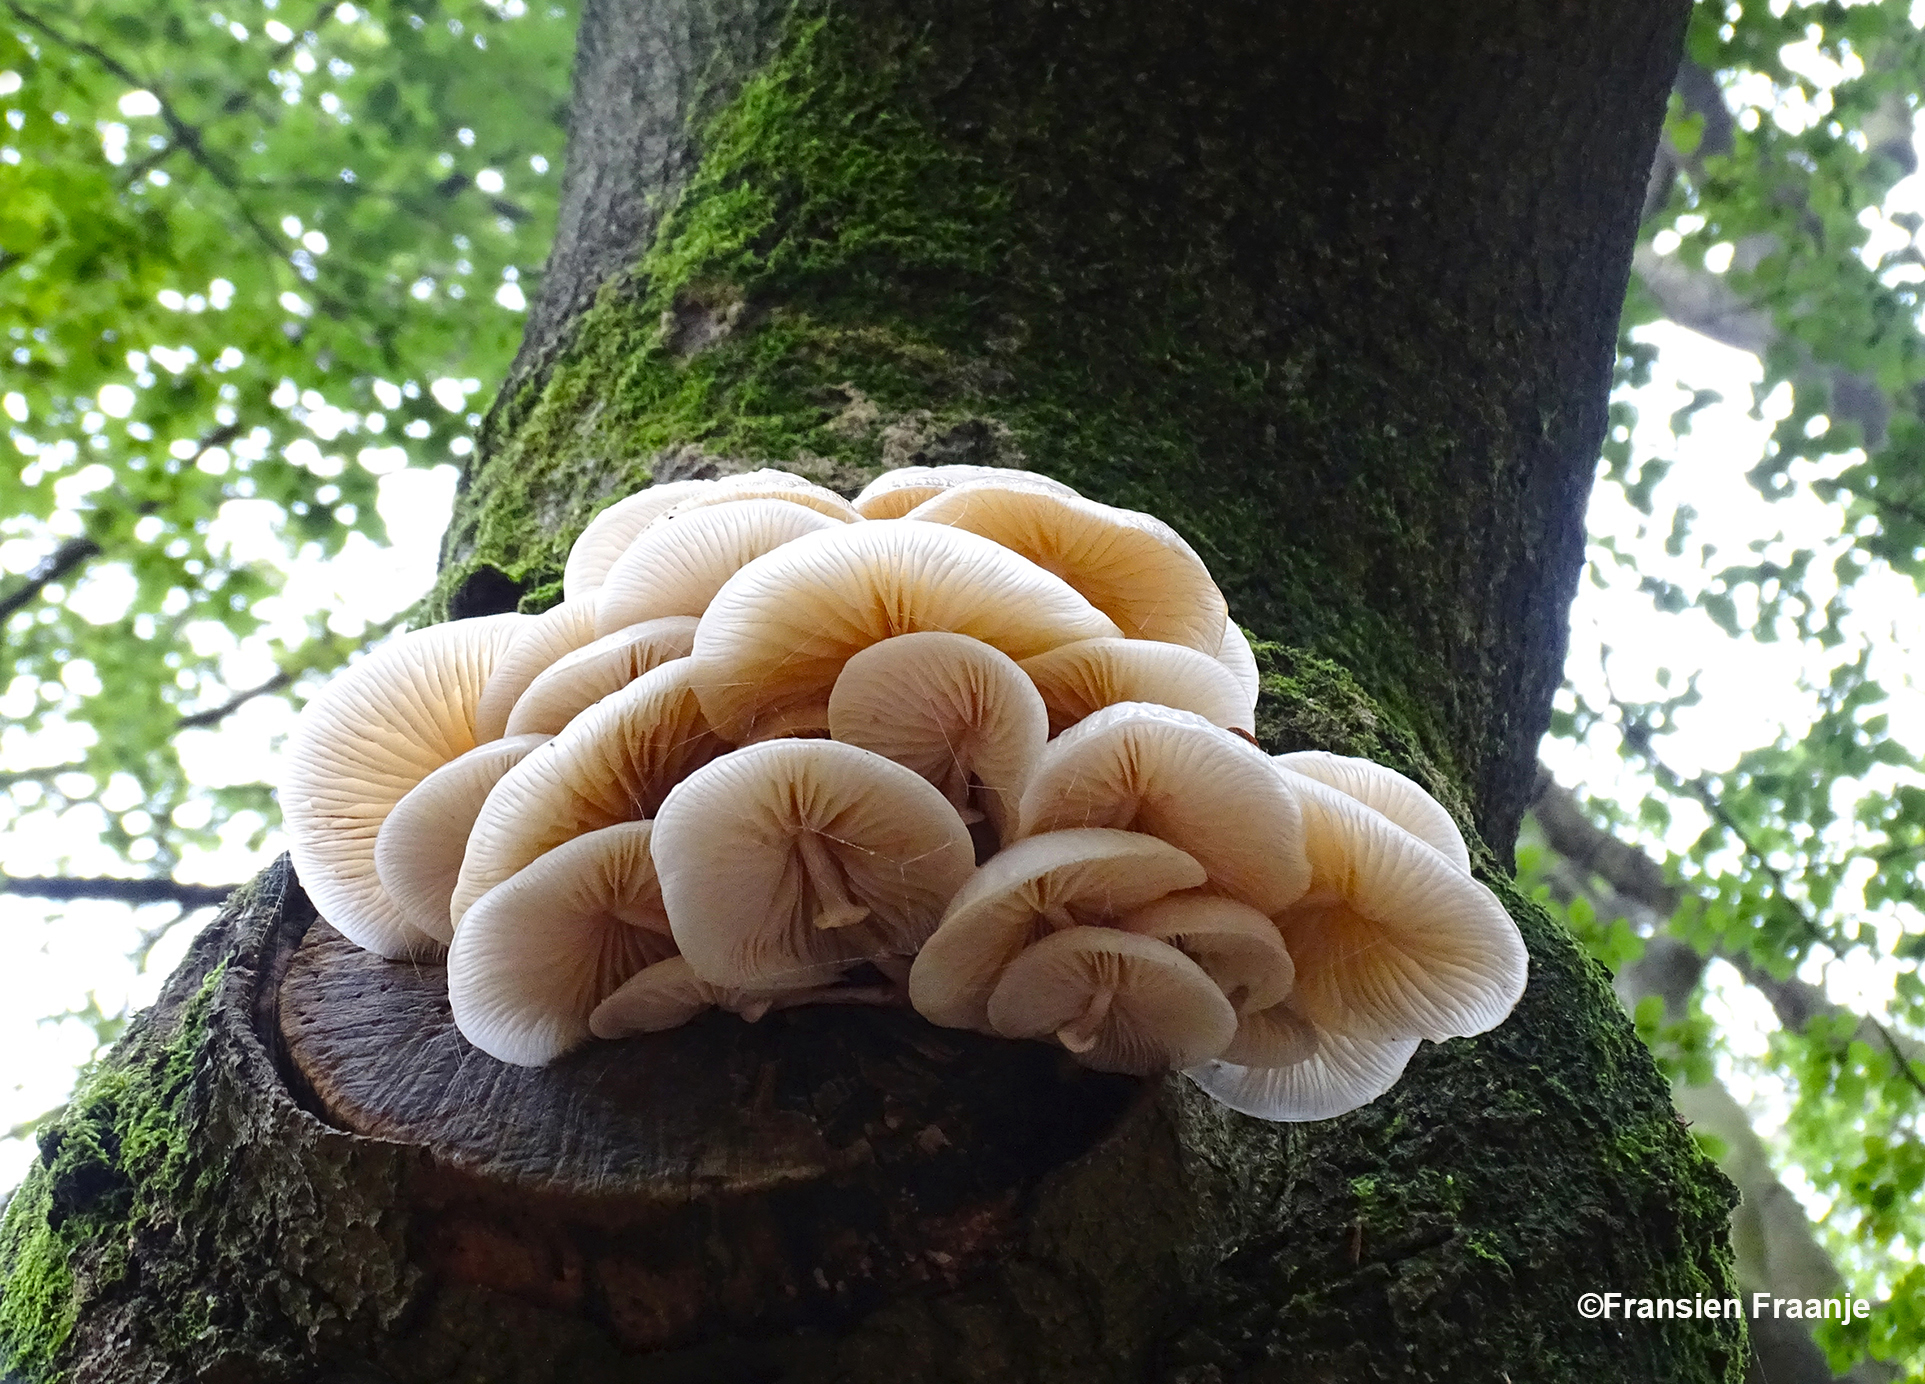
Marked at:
<point>1332,289</point>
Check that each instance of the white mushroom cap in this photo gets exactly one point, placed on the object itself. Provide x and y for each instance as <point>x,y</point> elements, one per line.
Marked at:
<point>1235,654</point>
<point>784,862</point>
<point>1174,775</point>
<point>1119,1002</point>
<point>1393,941</point>
<point>417,852</point>
<point>1388,792</point>
<point>613,763</point>
<point>1236,946</point>
<point>669,994</point>
<point>367,738</point>
<point>545,638</point>
<point>609,533</point>
<point>952,708</point>
<point>1023,893</point>
<point>1134,568</point>
<point>677,566</point>
<point>894,493</point>
<point>576,681</point>
<point>536,954</point>
<point>1273,1037</point>
<point>771,485</point>
<point>1341,1075</point>
<point>1077,679</point>
<point>779,632</point>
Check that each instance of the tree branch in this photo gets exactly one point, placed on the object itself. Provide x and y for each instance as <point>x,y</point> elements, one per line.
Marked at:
<point>1638,881</point>
<point>46,572</point>
<point>214,715</point>
<point>68,887</point>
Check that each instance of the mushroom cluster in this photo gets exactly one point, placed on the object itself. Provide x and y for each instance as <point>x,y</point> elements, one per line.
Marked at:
<point>973,742</point>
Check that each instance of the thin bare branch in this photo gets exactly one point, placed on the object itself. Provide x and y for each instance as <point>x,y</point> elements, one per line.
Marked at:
<point>46,572</point>
<point>214,715</point>
<point>136,891</point>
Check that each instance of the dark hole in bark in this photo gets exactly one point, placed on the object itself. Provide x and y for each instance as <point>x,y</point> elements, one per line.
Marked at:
<point>484,591</point>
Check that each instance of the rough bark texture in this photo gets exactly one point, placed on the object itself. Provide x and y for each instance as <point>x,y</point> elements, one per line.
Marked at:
<point>1331,288</point>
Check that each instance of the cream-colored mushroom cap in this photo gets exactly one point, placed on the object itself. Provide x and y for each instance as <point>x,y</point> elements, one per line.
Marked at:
<point>1393,941</point>
<point>1132,567</point>
<point>609,533</point>
<point>952,708</point>
<point>1388,792</point>
<point>1077,679</point>
<point>1236,655</point>
<point>670,993</point>
<point>613,763</point>
<point>780,630</point>
<point>1119,1002</point>
<point>678,565</point>
<point>1172,774</point>
<point>544,639</point>
<point>380,727</point>
<point>417,852</point>
<point>1236,946</point>
<point>1340,1075</point>
<point>1023,893</point>
<point>784,862</point>
<point>576,681</point>
<point>788,489</point>
<point>536,954</point>
<point>1273,1037</point>
<point>894,493</point>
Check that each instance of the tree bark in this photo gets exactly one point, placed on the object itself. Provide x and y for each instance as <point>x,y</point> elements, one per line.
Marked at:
<point>1330,288</point>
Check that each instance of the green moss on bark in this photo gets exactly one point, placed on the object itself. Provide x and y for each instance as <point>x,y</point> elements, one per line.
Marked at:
<point>114,1158</point>
<point>867,224</point>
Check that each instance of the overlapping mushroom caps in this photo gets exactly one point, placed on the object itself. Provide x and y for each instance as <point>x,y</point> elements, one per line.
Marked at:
<point>973,743</point>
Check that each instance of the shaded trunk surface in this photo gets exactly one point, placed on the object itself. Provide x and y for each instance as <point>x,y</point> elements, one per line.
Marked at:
<point>1330,288</point>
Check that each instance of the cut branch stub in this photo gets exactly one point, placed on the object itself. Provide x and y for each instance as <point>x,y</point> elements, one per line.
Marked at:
<point>685,1185</point>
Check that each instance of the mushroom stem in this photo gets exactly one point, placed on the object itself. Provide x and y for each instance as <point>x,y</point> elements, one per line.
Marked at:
<point>834,907</point>
<point>1081,1035</point>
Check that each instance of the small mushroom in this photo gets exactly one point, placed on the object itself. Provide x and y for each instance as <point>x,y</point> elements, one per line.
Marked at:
<point>1392,941</point>
<point>1273,1037</point>
<point>1117,1001</point>
<point>1388,792</point>
<point>1020,895</point>
<point>793,490</point>
<point>576,681</point>
<point>609,533</point>
<point>364,741</point>
<point>677,566</point>
<point>1235,654</point>
<point>894,493</point>
<point>417,852</point>
<point>547,637</point>
<point>785,862</point>
<point>1340,1075</point>
<point>955,710</point>
<point>780,630</point>
<point>669,994</point>
<point>1135,569</point>
<point>1080,678</point>
<point>1174,775</point>
<point>613,763</point>
<point>536,955</point>
<point>1236,946</point>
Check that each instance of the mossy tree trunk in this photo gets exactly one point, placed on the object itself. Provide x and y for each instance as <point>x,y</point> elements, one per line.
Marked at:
<point>1330,287</point>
